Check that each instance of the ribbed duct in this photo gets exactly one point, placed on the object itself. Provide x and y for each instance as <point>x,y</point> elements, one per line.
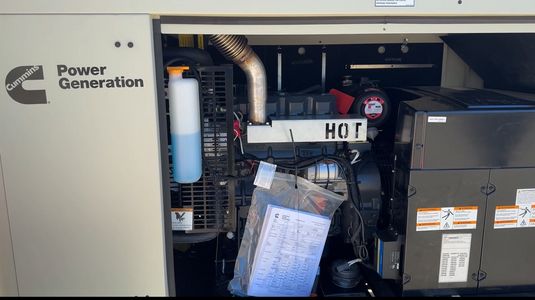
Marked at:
<point>236,49</point>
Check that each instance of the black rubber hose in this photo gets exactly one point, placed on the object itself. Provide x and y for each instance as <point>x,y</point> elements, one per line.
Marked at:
<point>195,55</point>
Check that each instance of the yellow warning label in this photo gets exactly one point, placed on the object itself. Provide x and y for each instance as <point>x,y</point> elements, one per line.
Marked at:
<point>200,41</point>
<point>186,40</point>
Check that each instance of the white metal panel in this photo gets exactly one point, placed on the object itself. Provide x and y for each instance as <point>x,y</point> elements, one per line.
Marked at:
<point>82,172</point>
<point>273,8</point>
<point>8,278</point>
<point>349,128</point>
<point>473,80</point>
<point>456,73</point>
<point>337,39</point>
<point>348,29</point>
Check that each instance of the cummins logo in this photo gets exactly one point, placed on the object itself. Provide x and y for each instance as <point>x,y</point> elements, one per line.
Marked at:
<point>71,79</point>
<point>16,77</point>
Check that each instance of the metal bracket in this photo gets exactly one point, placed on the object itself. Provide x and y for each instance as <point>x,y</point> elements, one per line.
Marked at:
<point>404,47</point>
<point>480,275</point>
<point>279,69</point>
<point>488,189</point>
<point>323,67</point>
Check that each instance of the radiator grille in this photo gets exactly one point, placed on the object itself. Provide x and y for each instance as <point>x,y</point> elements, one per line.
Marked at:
<point>212,197</point>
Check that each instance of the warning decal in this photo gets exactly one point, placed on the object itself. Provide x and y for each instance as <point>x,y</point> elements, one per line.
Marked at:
<point>517,216</point>
<point>428,219</point>
<point>446,218</point>
<point>465,217</point>
<point>506,216</point>
<point>373,107</point>
<point>525,196</point>
<point>182,218</point>
<point>514,216</point>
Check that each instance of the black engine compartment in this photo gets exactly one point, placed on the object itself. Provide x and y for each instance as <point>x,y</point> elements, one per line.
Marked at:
<point>362,172</point>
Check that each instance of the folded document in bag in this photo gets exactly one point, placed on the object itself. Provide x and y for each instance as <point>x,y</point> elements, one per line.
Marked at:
<point>284,236</point>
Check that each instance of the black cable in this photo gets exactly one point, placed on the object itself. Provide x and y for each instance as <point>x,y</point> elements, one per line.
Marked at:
<point>355,198</point>
<point>328,174</point>
<point>353,191</point>
<point>315,171</point>
<point>346,167</point>
<point>295,157</point>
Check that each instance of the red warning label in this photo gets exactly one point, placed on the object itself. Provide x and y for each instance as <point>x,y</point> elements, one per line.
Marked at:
<point>373,107</point>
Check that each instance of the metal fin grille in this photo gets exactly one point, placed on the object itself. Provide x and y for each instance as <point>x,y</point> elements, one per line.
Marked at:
<point>212,197</point>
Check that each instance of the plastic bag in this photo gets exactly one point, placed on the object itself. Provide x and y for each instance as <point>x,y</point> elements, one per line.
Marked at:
<point>286,191</point>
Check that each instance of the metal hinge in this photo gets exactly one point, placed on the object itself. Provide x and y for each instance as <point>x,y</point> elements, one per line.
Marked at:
<point>480,275</point>
<point>488,189</point>
<point>412,191</point>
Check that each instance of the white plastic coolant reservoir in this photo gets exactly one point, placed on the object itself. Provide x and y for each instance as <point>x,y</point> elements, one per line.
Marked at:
<point>184,113</point>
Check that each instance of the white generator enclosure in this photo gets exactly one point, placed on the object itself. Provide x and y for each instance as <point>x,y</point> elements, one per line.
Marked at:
<point>82,183</point>
<point>416,116</point>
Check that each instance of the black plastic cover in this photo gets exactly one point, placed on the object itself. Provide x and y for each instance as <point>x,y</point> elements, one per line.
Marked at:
<point>465,129</point>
